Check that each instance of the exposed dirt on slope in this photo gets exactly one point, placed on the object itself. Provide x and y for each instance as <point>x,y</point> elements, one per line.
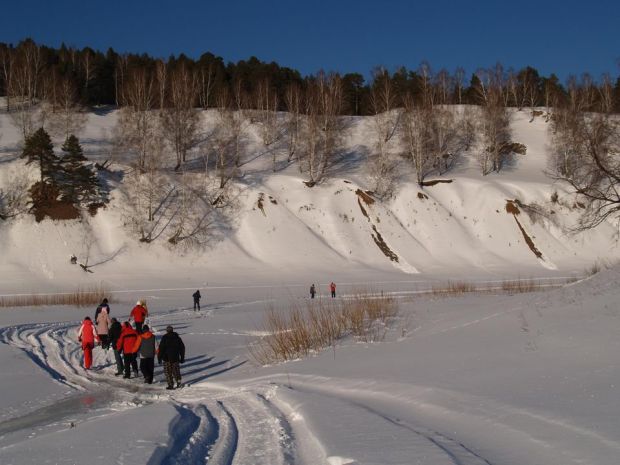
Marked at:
<point>513,209</point>
<point>382,245</point>
<point>365,196</point>
<point>434,182</point>
<point>261,203</point>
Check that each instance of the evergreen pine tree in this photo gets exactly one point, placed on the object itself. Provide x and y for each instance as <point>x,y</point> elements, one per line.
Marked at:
<point>79,184</point>
<point>39,149</point>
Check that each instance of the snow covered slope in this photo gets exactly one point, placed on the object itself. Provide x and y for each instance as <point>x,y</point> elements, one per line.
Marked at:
<point>288,232</point>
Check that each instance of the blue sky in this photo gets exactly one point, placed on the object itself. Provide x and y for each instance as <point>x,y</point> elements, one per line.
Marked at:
<point>566,37</point>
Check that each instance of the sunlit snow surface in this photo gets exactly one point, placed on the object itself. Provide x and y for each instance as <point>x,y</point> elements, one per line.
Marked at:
<point>477,379</point>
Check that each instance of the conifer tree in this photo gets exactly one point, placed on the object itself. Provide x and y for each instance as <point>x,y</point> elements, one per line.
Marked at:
<point>79,184</point>
<point>39,149</point>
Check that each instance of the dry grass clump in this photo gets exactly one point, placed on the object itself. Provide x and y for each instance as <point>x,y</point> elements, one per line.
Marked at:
<point>321,323</point>
<point>514,286</point>
<point>453,288</point>
<point>82,297</point>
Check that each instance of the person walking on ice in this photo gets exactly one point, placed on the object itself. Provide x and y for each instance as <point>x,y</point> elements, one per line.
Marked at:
<point>172,352</point>
<point>114,333</point>
<point>126,343</point>
<point>332,288</point>
<point>103,323</point>
<point>87,336</point>
<point>139,314</point>
<point>196,295</point>
<point>312,291</point>
<point>102,306</point>
<point>145,346</point>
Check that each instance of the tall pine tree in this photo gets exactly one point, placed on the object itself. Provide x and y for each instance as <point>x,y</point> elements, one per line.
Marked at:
<point>79,183</point>
<point>39,149</point>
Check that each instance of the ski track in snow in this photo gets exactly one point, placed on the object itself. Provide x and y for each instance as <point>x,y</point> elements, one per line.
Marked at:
<point>252,424</point>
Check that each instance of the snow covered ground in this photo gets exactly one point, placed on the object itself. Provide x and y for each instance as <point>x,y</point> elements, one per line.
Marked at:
<point>479,379</point>
<point>522,379</point>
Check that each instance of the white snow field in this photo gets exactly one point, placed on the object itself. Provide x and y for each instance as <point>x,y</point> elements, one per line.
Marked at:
<point>481,378</point>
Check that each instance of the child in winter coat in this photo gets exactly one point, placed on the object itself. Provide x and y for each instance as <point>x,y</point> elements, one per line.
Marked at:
<point>145,346</point>
<point>139,314</point>
<point>103,323</point>
<point>87,336</point>
<point>126,343</point>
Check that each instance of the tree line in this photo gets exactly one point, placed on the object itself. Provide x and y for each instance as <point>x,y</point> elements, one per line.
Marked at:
<point>30,72</point>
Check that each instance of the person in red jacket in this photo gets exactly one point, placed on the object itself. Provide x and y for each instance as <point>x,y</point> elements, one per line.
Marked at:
<point>332,288</point>
<point>139,314</point>
<point>87,336</point>
<point>126,344</point>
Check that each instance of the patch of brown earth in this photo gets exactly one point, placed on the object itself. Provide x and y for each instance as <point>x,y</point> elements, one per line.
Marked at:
<point>260,203</point>
<point>383,246</point>
<point>365,196</point>
<point>436,181</point>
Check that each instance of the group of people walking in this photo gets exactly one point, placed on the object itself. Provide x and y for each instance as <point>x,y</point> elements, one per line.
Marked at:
<point>130,343</point>
<point>332,290</point>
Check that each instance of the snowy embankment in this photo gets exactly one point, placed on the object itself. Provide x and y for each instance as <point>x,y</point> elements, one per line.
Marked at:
<point>285,232</point>
<point>479,379</point>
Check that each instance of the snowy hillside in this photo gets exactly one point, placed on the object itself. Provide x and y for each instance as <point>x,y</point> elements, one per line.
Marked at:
<point>285,230</point>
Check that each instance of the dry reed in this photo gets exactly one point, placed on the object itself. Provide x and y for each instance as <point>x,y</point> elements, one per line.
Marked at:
<point>321,323</point>
<point>82,297</point>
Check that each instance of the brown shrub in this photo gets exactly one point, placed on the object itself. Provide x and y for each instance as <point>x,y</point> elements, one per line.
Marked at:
<point>320,324</point>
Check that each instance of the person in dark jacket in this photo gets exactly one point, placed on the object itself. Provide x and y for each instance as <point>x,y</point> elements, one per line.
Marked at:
<point>127,343</point>
<point>114,333</point>
<point>312,291</point>
<point>145,347</point>
<point>172,352</point>
<point>196,295</point>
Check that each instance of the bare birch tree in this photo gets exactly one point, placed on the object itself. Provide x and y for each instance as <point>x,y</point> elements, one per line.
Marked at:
<point>323,125</point>
<point>293,102</point>
<point>180,119</point>
<point>386,120</point>
<point>494,124</point>
<point>66,116</point>
<point>416,137</point>
<point>137,123</point>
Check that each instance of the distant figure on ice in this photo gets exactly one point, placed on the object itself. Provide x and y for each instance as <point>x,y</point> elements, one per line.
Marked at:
<point>114,334</point>
<point>312,291</point>
<point>73,259</point>
<point>103,322</point>
<point>87,336</point>
<point>139,314</point>
<point>145,346</point>
<point>126,343</point>
<point>332,288</point>
<point>171,352</point>
<point>101,306</point>
<point>196,295</point>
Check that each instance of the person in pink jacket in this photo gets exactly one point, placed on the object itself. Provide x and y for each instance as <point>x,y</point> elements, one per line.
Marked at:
<point>88,337</point>
<point>103,323</point>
